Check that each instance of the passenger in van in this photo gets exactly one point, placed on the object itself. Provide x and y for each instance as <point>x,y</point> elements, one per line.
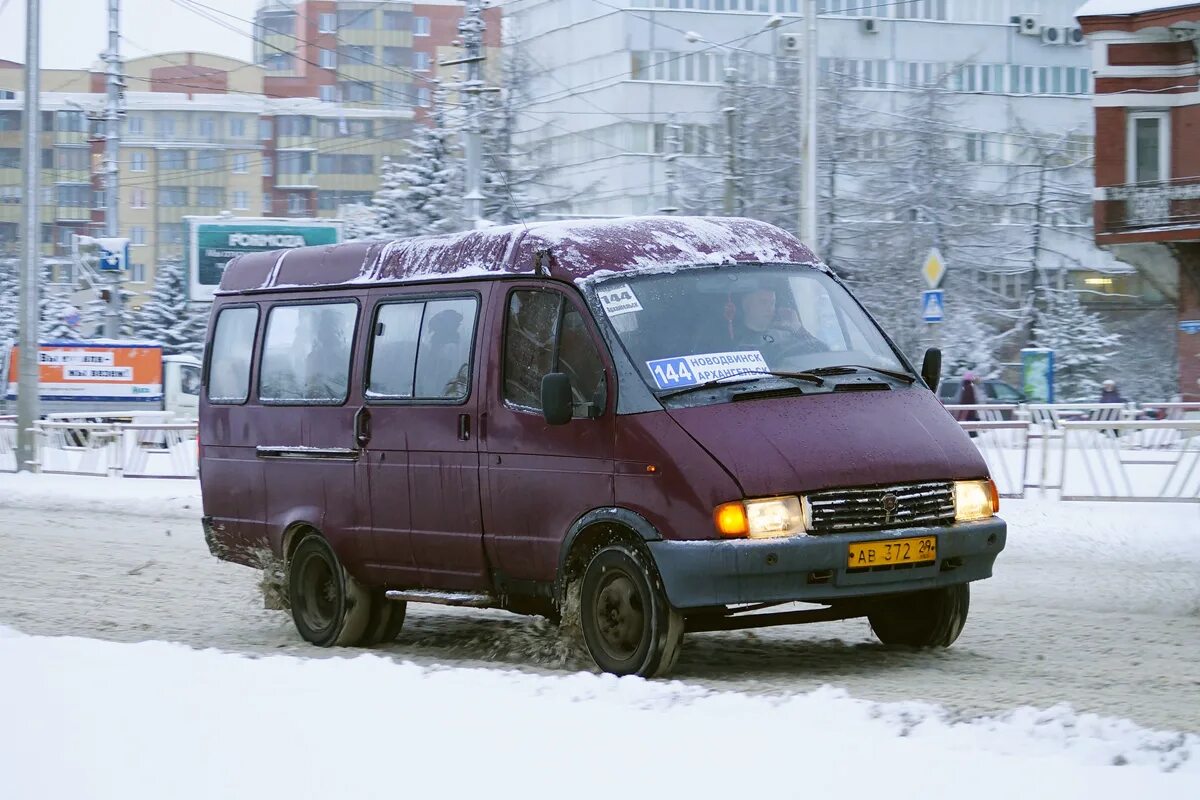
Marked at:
<point>443,368</point>
<point>760,324</point>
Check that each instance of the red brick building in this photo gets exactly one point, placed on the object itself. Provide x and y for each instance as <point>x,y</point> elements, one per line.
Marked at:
<point>1146,56</point>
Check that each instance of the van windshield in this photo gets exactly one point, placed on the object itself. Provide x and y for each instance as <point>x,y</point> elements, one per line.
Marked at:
<point>693,326</point>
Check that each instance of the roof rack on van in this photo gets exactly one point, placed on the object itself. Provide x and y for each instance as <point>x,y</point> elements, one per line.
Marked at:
<point>574,250</point>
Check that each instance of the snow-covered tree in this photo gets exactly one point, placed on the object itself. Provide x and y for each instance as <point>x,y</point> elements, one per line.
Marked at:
<point>9,290</point>
<point>1082,345</point>
<point>168,317</point>
<point>422,194</point>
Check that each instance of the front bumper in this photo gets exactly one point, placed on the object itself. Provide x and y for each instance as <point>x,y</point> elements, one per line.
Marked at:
<point>813,569</point>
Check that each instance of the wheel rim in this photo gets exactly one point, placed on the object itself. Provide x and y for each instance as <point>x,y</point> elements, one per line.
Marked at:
<point>619,615</point>
<point>318,594</point>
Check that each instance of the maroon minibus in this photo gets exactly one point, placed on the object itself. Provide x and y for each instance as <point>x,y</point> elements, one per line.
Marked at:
<point>641,427</point>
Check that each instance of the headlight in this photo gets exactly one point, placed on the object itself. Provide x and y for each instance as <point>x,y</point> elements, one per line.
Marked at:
<point>761,519</point>
<point>974,500</point>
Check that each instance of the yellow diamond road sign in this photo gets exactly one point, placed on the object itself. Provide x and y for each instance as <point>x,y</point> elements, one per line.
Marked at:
<point>934,268</point>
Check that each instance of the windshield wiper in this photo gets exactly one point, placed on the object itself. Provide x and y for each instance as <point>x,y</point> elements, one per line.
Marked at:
<point>844,369</point>
<point>751,375</point>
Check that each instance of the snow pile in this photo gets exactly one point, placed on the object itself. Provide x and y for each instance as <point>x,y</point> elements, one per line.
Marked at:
<point>102,720</point>
<point>142,497</point>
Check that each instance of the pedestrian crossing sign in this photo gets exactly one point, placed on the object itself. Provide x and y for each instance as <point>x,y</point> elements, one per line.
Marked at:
<point>933,305</point>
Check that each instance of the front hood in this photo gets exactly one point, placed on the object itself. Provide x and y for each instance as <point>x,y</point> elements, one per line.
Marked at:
<point>838,439</point>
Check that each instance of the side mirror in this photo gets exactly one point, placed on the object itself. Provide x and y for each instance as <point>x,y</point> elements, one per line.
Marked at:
<point>557,403</point>
<point>931,369</point>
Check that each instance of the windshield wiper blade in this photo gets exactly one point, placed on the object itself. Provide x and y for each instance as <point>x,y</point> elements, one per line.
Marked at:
<point>750,375</point>
<point>844,369</point>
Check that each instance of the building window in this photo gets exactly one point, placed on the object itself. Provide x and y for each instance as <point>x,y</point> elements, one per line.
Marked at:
<point>393,20</point>
<point>295,126</point>
<point>237,128</point>
<point>241,163</point>
<point>267,205</point>
<point>358,91</point>
<point>173,159</point>
<point>137,125</point>
<point>328,59</point>
<point>208,197</point>
<point>171,232</point>
<point>420,61</point>
<point>356,20</point>
<point>241,201</point>
<point>268,166</point>
<point>173,196</point>
<point>423,97</point>
<point>137,272</point>
<point>265,129</point>
<point>208,159</point>
<point>294,163</point>
<point>420,26</point>
<point>1148,147</point>
<point>207,127</point>
<point>99,198</point>
<point>279,62</point>
<point>353,55</point>
<point>138,198</point>
<point>327,23</point>
<point>165,127</point>
<point>328,94</point>
<point>137,235</point>
<point>297,203</point>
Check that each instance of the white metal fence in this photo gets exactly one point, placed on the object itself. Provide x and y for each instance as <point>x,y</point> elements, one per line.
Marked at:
<point>1068,451</point>
<point>132,450</point>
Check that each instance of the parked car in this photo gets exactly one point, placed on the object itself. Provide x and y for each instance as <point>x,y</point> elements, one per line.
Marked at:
<point>990,390</point>
<point>643,425</point>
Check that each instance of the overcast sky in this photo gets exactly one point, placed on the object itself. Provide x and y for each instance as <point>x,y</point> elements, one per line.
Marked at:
<point>74,32</point>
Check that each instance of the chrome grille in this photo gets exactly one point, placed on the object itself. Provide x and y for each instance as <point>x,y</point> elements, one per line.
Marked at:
<point>872,508</point>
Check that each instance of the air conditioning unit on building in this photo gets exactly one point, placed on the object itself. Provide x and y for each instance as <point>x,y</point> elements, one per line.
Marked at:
<point>791,42</point>
<point>869,25</point>
<point>1073,34</point>
<point>1028,24</point>
<point>1052,35</point>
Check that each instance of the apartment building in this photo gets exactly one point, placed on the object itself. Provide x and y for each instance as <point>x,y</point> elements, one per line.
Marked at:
<point>1146,58</point>
<point>200,136</point>
<point>611,75</point>
<point>364,53</point>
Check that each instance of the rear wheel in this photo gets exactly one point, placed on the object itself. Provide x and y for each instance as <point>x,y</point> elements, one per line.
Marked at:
<point>931,618</point>
<point>629,627</point>
<point>387,618</point>
<point>330,608</point>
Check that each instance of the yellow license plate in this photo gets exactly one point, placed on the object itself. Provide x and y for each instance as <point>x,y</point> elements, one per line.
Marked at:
<point>914,550</point>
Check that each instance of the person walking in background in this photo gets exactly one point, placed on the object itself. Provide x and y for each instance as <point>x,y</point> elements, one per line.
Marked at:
<point>967,396</point>
<point>1109,393</point>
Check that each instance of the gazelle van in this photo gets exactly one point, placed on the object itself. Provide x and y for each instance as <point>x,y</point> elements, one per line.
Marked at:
<point>662,424</point>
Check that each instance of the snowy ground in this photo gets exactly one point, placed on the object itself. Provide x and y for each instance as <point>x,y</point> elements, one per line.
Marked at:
<point>1094,606</point>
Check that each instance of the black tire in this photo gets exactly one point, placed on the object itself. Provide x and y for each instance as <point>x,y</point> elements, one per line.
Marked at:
<point>930,618</point>
<point>628,626</point>
<point>330,608</point>
<point>386,620</point>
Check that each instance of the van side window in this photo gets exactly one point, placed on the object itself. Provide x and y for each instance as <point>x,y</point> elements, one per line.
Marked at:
<point>529,345</point>
<point>232,348</point>
<point>444,358</point>
<point>306,354</point>
<point>394,353</point>
<point>544,334</point>
<point>422,350</point>
<point>189,379</point>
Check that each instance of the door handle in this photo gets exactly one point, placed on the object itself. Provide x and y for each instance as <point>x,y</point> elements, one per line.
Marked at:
<point>362,427</point>
<point>464,427</point>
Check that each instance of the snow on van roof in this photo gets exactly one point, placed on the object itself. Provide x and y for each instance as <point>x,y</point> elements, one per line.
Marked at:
<point>1124,8</point>
<point>577,250</point>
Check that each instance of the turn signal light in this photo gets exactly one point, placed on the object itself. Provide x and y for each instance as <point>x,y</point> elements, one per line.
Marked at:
<point>731,519</point>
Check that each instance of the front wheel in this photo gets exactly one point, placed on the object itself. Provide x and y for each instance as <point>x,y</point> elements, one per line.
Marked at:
<point>628,625</point>
<point>930,618</point>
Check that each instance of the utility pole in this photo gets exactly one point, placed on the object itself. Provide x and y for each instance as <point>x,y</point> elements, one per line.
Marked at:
<point>471,28</point>
<point>808,156</point>
<point>731,206</point>
<point>27,389</point>
<point>671,156</point>
<point>112,157</point>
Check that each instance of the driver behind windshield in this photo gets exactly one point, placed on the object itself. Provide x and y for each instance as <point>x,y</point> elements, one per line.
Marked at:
<point>758,322</point>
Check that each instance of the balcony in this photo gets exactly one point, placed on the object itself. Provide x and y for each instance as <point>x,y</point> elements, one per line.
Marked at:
<point>1165,211</point>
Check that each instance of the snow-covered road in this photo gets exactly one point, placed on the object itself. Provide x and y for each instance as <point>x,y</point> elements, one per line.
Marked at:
<point>1097,606</point>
